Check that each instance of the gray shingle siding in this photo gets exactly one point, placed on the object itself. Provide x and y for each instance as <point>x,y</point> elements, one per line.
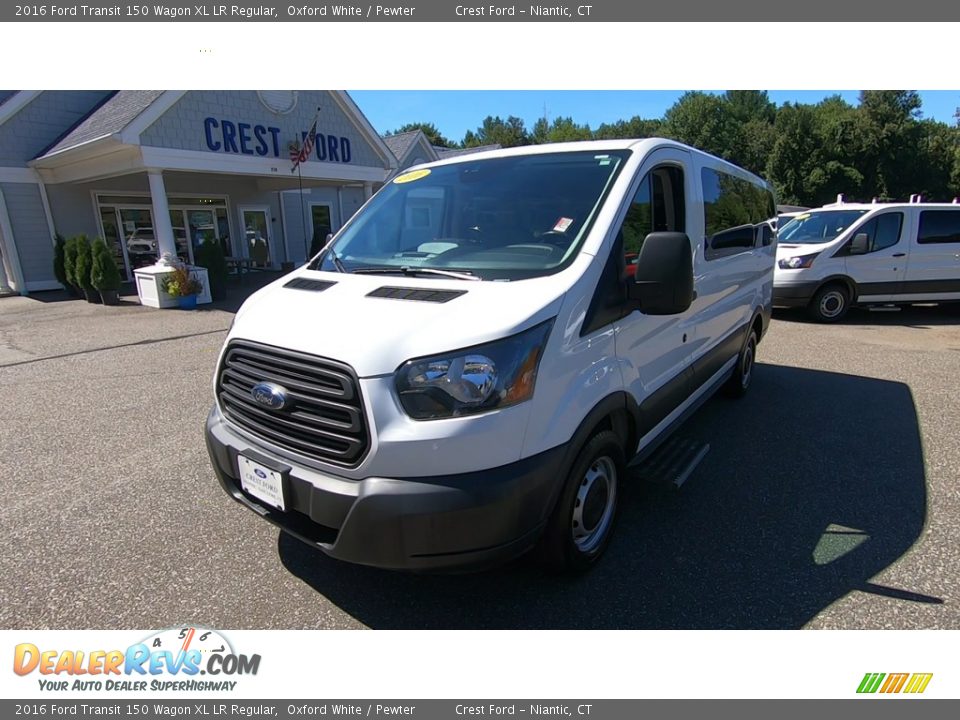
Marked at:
<point>30,230</point>
<point>182,126</point>
<point>111,117</point>
<point>42,121</point>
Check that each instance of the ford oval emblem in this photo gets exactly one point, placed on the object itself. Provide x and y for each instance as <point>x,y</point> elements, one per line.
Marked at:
<point>270,395</point>
<point>260,474</point>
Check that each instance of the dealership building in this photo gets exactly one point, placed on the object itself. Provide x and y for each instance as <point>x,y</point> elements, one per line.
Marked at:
<point>139,168</point>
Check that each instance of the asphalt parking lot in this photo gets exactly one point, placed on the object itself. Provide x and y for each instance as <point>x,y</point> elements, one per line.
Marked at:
<point>829,499</point>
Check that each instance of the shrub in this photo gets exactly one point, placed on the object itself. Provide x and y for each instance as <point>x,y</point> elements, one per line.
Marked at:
<point>59,259</point>
<point>104,274</point>
<point>210,256</point>
<point>83,263</point>
<point>70,262</point>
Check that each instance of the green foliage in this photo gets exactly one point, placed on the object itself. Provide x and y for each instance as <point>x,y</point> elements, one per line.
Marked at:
<point>70,261</point>
<point>59,259</point>
<point>563,129</point>
<point>104,274</point>
<point>210,256</point>
<point>495,130</point>
<point>703,121</point>
<point>83,263</point>
<point>434,136</point>
<point>880,148</point>
<point>180,283</point>
<point>635,127</point>
<point>750,105</point>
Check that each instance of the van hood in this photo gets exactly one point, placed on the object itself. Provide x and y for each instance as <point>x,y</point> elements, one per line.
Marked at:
<point>376,323</point>
<point>785,250</point>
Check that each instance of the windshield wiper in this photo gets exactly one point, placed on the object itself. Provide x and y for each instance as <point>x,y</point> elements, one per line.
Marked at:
<point>414,271</point>
<point>336,260</point>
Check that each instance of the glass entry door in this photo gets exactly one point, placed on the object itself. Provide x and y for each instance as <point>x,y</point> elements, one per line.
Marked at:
<point>257,240</point>
<point>191,227</point>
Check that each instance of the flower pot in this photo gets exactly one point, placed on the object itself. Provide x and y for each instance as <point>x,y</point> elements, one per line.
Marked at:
<point>188,302</point>
<point>91,295</point>
<point>109,297</point>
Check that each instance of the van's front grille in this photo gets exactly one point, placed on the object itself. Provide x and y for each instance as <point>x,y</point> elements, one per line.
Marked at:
<point>321,415</point>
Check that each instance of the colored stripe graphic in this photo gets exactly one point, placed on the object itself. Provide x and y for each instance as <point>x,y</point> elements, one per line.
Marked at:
<point>918,682</point>
<point>894,683</point>
<point>870,682</point>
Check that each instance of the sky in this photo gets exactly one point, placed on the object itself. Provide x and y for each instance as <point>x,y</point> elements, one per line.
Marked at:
<point>454,112</point>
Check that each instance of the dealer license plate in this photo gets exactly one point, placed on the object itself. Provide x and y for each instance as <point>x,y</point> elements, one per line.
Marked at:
<point>261,482</point>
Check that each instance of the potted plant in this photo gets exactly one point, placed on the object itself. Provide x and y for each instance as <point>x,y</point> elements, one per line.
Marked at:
<point>82,268</point>
<point>104,275</point>
<point>210,256</point>
<point>182,285</point>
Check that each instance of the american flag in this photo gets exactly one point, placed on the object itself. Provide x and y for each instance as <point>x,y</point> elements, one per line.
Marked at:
<point>300,154</point>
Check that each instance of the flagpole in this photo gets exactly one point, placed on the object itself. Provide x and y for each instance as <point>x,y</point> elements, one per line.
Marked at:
<point>301,158</point>
<point>303,215</point>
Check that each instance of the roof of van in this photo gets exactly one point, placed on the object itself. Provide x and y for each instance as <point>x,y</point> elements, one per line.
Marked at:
<point>588,146</point>
<point>839,207</point>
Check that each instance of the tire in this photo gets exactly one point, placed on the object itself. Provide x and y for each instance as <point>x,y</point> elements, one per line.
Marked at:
<point>739,382</point>
<point>582,522</point>
<point>830,303</point>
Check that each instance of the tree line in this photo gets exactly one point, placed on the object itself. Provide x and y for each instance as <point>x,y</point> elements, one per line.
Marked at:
<point>882,148</point>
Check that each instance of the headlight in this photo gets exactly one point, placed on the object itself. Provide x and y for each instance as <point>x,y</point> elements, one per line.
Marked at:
<point>795,263</point>
<point>481,378</point>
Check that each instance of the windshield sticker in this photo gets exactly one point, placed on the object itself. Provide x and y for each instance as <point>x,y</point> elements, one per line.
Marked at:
<point>563,224</point>
<point>411,176</point>
<point>801,217</point>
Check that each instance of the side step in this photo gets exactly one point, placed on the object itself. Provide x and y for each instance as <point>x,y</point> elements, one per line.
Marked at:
<point>673,462</point>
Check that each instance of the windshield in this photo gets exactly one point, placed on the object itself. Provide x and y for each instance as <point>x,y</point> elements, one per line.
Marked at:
<point>818,227</point>
<point>496,219</point>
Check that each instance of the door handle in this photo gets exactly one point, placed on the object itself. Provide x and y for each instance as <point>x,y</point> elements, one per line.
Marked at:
<point>899,255</point>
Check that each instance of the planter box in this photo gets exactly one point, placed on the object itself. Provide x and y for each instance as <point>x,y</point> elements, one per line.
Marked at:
<point>150,289</point>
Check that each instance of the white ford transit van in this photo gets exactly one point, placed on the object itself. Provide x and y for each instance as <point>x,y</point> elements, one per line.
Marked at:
<point>467,367</point>
<point>848,253</point>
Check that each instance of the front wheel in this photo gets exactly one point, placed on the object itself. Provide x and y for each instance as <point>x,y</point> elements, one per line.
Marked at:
<point>582,523</point>
<point>739,382</point>
<point>830,303</point>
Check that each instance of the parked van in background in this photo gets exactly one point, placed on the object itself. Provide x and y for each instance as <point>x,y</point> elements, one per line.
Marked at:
<point>849,253</point>
<point>467,367</point>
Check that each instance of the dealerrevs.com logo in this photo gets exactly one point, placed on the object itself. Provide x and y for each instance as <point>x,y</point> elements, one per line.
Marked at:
<point>890,683</point>
<point>169,660</point>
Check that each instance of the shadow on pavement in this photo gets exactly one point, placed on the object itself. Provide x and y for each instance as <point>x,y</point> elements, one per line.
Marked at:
<point>907,316</point>
<point>814,483</point>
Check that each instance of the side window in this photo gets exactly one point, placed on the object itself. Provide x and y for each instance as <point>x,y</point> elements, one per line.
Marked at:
<point>734,212</point>
<point>658,206</point>
<point>882,231</point>
<point>939,226</point>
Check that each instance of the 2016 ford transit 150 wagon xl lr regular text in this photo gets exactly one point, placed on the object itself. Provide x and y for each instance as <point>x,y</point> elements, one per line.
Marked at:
<point>467,367</point>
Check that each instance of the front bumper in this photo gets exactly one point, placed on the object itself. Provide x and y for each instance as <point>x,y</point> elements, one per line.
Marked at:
<point>460,521</point>
<point>795,295</point>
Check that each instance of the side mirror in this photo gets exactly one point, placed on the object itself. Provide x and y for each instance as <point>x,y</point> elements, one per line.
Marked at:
<point>859,245</point>
<point>329,238</point>
<point>663,283</point>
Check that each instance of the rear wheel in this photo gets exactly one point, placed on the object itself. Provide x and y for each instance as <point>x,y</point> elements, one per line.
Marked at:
<point>582,523</point>
<point>739,382</point>
<point>830,303</point>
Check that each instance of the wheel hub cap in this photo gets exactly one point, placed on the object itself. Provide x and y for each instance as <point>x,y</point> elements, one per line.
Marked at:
<point>594,504</point>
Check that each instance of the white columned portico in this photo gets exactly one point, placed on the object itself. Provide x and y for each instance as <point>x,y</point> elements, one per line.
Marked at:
<point>367,190</point>
<point>162,229</point>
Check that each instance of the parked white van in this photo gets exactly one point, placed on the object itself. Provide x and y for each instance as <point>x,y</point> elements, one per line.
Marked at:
<point>848,253</point>
<point>467,367</point>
